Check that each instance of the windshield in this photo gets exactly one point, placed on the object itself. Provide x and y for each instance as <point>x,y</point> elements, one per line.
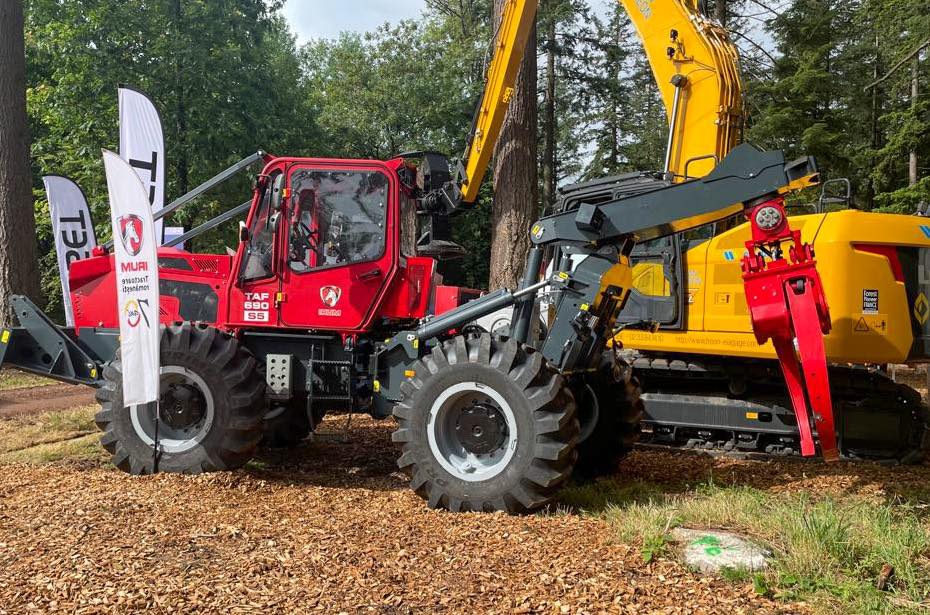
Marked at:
<point>338,218</point>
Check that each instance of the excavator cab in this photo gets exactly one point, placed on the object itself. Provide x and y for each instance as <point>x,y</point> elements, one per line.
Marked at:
<point>659,268</point>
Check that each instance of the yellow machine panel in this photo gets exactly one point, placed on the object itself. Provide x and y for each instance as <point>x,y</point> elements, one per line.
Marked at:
<point>874,319</point>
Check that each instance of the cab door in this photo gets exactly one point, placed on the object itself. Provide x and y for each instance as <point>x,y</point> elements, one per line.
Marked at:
<point>657,294</point>
<point>256,266</point>
<point>341,245</point>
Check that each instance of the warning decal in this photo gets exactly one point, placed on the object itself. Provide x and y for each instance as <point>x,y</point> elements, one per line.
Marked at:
<point>874,323</point>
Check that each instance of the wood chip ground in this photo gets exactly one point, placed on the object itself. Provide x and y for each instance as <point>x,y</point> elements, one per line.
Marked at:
<point>329,529</point>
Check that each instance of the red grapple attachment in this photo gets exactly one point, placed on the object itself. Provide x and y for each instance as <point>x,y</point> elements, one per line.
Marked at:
<point>787,305</point>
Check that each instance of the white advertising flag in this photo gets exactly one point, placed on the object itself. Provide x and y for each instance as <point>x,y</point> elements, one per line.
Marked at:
<point>73,230</point>
<point>142,145</point>
<point>136,280</point>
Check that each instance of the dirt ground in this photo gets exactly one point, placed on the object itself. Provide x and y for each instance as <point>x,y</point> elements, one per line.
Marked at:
<point>331,528</point>
<point>22,401</point>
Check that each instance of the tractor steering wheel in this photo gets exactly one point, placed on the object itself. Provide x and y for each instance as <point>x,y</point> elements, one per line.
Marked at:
<point>304,237</point>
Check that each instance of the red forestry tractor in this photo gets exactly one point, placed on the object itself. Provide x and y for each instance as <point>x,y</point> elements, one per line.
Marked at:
<point>322,306</point>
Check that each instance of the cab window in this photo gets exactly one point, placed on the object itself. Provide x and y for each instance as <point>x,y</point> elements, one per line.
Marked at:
<point>337,218</point>
<point>259,253</point>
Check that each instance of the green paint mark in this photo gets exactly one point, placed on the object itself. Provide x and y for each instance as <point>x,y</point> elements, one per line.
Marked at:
<point>712,545</point>
<point>712,541</point>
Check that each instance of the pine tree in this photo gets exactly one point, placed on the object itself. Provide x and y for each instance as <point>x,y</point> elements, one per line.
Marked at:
<point>18,274</point>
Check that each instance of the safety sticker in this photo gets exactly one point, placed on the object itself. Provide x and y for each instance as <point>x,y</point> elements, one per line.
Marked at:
<point>869,301</point>
<point>871,323</point>
<point>730,255</point>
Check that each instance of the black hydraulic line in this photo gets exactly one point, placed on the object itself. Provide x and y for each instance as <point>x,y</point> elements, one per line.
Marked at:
<point>214,181</point>
<point>210,224</point>
<point>523,310</point>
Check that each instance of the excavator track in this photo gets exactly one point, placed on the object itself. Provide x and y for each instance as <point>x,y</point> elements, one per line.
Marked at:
<point>742,408</point>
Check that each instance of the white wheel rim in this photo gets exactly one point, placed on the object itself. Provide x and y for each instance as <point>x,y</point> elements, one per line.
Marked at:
<point>445,445</point>
<point>142,417</point>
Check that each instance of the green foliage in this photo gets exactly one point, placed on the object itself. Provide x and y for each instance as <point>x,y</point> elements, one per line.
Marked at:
<point>816,99</point>
<point>224,76</point>
<point>626,125</point>
<point>653,547</point>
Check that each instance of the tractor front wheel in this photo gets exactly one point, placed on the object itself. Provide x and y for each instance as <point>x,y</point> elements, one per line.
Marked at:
<point>209,415</point>
<point>486,424</point>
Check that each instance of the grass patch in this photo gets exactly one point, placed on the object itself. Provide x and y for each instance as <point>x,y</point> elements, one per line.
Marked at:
<point>11,379</point>
<point>46,437</point>
<point>826,551</point>
<point>83,448</point>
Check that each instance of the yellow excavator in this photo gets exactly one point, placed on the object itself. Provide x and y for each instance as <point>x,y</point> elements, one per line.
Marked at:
<point>686,326</point>
<point>707,383</point>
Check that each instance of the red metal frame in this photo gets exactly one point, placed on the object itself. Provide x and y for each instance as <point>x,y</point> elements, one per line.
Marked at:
<point>787,305</point>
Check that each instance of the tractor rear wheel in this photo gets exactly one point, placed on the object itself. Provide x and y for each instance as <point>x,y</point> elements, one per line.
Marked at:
<point>286,425</point>
<point>212,400</point>
<point>610,411</point>
<point>486,424</point>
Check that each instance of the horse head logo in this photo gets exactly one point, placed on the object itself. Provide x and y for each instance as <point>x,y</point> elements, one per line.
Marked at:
<point>130,232</point>
<point>330,295</point>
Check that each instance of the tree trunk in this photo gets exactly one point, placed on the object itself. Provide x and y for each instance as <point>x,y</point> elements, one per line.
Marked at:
<point>18,265</point>
<point>516,190</point>
<point>874,129</point>
<point>912,161</point>
<point>720,12</point>
<point>550,172</point>
<point>180,135</point>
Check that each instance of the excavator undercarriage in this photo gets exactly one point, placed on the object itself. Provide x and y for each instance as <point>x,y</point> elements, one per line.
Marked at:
<point>713,404</point>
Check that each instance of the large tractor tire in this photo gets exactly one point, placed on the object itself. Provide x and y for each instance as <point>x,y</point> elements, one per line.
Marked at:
<point>286,425</point>
<point>210,411</point>
<point>610,411</point>
<point>486,424</point>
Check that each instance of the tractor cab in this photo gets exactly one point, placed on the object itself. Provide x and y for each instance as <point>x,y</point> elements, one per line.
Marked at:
<point>328,245</point>
<point>321,249</point>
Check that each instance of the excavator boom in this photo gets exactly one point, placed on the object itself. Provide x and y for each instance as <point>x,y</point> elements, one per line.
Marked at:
<point>694,64</point>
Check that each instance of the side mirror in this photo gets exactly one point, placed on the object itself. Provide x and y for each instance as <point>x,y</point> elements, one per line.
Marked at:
<point>243,232</point>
